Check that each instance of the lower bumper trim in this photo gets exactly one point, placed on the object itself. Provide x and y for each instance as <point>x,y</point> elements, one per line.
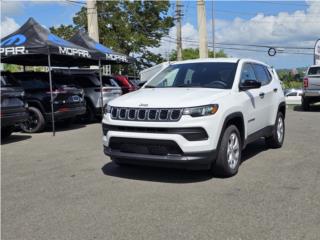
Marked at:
<point>196,160</point>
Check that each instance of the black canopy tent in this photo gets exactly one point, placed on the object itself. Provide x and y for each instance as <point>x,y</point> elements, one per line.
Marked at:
<point>99,51</point>
<point>104,54</point>
<point>34,45</point>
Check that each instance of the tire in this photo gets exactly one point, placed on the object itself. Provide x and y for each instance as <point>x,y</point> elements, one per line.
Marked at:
<point>35,122</point>
<point>305,104</point>
<point>229,153</point>
<point>89,116</point>
<point>6,131</point>
<point>277,138</point>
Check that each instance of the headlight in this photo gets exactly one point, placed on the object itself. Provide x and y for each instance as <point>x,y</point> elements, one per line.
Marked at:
<point>107,109</point>
<point>201,111</point>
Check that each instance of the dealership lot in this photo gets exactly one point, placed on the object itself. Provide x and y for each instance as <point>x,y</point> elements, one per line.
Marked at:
<point>64,187</point>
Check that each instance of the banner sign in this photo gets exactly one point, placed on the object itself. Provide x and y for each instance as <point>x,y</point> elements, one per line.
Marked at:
<point>11,45</point>
<point>317,53</point>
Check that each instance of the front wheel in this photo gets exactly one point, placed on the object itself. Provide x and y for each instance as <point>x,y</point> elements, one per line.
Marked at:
<point>277,138</point>
<point>35,122</point>
<point>229,153</point>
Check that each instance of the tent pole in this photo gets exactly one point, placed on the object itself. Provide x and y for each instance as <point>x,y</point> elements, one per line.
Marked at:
<point>101,90</point>
<point>51,95</point>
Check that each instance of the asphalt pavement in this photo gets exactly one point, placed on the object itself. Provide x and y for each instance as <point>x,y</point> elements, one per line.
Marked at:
<point>63,187</point>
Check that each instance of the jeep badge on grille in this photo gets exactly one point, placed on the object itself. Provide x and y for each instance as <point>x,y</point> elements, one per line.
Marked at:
<point>143,105</point>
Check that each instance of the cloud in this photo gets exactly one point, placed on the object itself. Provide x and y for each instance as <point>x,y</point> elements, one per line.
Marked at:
<point>11,8</point>
<point>8,25</point>
<point>299,28</point>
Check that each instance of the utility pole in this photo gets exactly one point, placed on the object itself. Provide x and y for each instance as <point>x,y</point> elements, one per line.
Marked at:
<point>179,42</point>
<point>92,17</point>
<point>202,27</point>
<point>213,26</point>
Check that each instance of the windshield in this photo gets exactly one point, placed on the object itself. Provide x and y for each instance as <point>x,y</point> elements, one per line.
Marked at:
<point>206,75</point>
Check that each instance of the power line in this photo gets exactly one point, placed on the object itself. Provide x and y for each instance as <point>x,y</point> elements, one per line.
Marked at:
<point>241,49</point>
<point>251,45</point>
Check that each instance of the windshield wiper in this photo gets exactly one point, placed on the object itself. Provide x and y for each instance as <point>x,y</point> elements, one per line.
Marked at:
<point>149,86</point>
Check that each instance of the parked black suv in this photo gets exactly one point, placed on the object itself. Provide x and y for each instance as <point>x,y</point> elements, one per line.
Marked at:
<point>68,100</point>
<point>13,107</point>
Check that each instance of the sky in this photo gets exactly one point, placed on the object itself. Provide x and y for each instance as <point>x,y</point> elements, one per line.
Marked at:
<point>272,23</point>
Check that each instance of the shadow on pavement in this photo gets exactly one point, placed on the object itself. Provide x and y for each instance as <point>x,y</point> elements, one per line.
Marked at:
<point>165,175</point>
<point>14,138</point>
<point>254,149</point>
<point>313,108</point>
<point>61,127</point>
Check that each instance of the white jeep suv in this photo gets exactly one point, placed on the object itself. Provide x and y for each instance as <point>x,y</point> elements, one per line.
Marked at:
<point>197,114</point>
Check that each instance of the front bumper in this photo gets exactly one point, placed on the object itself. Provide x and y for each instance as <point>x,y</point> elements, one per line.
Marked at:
<point>209,124</point>
<point>13,116</point>
<point>195,138</point>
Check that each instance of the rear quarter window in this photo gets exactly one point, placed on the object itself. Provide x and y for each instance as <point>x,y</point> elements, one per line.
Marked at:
<point>314,71</point>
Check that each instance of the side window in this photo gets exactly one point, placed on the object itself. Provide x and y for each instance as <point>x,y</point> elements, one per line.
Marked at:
<point>293,94</point>
<point>261,74</point>
<point>247,73</point>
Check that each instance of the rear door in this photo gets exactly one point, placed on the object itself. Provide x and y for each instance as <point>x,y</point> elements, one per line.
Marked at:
<point>266,94</point>
<point>253,104</point>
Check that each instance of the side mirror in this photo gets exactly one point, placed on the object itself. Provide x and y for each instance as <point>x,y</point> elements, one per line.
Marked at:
<point>249,84</point>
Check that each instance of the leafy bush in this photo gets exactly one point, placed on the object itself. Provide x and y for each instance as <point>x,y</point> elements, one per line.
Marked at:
<point>292,84</point>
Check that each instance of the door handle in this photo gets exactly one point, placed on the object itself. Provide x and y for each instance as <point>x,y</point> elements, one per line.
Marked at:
<point>261,95</point>
<point>275,89</point>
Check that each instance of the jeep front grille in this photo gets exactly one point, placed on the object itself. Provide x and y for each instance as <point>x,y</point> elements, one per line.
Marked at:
<point>146,114</point>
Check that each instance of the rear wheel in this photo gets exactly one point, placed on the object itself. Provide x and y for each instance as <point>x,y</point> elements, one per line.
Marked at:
<point>277,138</point>
<point>229,153</point>
<point>35,122</point>
<point>305,104</point>
<point>89,116</point>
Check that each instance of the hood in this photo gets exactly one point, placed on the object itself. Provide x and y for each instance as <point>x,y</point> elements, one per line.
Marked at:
<point>169,97</point>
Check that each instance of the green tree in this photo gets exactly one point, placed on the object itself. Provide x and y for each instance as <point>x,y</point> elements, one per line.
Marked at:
<point>129,27</point>
<point>193,53</point>
<point>11,67</point>
<point>64,31</point>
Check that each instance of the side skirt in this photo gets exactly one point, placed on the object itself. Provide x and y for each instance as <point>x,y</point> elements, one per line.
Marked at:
<point>264,132</point>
